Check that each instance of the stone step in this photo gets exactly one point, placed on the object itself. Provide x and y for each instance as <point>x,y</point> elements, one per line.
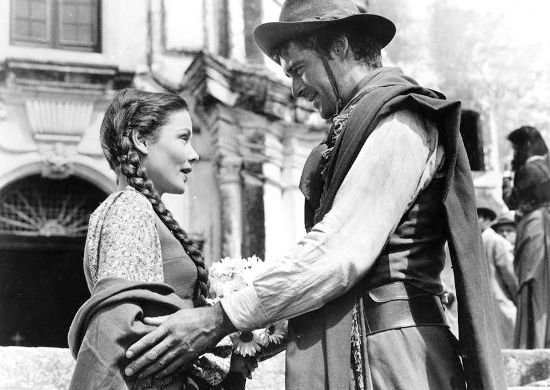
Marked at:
<point>23,368</point>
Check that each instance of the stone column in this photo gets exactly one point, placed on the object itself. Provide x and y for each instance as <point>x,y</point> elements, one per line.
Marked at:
<point>276,223</point>
<point>229,174</point>
<point>293,200</point>
<point>254,233</point>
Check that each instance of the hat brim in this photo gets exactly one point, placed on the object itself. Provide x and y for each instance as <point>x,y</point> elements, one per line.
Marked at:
<point>498,223</point>
<point>269,36</point>
<point>488,211</point>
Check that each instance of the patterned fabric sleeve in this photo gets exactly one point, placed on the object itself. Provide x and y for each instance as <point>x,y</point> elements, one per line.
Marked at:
<point>129,245</point>
<point>214,366</point>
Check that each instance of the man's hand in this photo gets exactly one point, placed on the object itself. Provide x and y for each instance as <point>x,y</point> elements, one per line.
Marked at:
<point>179,339</point>
<point>244,365</point>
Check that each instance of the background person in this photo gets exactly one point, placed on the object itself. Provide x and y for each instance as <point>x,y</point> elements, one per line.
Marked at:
<point>505,225</point>
<point>530,195</point>
<point>504,284</point>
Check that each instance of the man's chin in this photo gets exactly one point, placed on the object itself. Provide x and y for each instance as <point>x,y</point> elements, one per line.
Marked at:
<point>325,114</point>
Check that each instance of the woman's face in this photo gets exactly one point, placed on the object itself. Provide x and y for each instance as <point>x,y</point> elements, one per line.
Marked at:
<point>168,159</point>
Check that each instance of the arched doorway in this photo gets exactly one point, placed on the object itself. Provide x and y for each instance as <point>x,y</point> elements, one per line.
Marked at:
<point>43,225</point>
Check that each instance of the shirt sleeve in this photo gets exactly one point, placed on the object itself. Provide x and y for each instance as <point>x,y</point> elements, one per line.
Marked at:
<point>129,245</point>
<point>394,165</point>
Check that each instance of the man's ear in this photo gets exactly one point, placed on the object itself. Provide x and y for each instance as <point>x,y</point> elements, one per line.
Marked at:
<point>139,143</point>
<point>340,47</point>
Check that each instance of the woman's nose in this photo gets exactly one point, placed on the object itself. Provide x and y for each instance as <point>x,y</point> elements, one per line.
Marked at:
<point>193,155</point>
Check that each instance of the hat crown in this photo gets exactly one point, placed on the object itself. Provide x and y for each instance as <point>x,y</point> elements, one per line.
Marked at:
<point>309,10</point>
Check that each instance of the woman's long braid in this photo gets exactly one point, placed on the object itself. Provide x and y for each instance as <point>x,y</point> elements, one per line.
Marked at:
<point>130,165</point>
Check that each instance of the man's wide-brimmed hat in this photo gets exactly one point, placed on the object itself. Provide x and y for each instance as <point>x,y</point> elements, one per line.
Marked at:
<point>302,17</point>
<point>506,218</point>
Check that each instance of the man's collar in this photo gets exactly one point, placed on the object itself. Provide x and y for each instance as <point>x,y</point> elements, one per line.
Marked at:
<point>365,82</point>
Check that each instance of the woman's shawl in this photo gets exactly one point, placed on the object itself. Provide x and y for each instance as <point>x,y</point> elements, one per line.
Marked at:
<point>112,320</point>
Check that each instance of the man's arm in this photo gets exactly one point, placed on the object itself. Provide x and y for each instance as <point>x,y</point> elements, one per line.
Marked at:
<point>392,167</point>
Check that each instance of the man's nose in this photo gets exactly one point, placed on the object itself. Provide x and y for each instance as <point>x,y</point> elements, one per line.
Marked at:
<point>297,87</point>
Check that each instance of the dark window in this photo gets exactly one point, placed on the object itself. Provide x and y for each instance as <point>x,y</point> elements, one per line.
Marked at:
<point>60,24</point>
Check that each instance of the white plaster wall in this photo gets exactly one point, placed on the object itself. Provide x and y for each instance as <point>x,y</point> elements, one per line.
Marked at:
<point>276,225</point>
<point>271,10</point>
<point>123,33</point>
<point>293,199</point>
<point>184,31</point>
<point>236,30</point>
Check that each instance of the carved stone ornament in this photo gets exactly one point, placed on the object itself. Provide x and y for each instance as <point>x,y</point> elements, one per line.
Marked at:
<point>57,161</point>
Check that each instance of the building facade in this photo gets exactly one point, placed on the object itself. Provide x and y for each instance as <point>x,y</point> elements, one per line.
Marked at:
<point>61,62</point>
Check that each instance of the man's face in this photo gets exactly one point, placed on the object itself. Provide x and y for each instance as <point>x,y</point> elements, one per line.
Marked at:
<point>508,232</point>
<point>483,221</point>
<point>309,78</point>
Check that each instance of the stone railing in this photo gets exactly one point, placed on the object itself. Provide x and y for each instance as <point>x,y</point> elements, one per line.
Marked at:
<point>51,368</point>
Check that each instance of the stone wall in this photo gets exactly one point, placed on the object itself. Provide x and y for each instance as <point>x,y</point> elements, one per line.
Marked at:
<point>51,368</point>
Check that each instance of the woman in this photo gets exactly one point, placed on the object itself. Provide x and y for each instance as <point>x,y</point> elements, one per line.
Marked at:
<point>138,261</point>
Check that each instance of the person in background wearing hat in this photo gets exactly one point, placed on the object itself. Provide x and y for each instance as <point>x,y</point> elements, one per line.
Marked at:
<point>505,225</point>
<point>530,196</point>
<point>384,191</point>
<point>504,283</point>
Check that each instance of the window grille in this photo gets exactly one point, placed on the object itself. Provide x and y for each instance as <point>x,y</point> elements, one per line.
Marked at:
<point>37,206</point>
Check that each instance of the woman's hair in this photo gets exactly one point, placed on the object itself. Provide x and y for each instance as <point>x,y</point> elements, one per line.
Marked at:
<point>528,134</point>
<point>143,113</point>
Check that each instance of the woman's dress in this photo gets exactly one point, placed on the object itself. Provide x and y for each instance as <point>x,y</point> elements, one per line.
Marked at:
<point>134,268</point>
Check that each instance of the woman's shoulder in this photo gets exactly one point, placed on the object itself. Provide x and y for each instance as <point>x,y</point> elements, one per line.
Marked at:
<point>124,201</point>
<point>122,239</point>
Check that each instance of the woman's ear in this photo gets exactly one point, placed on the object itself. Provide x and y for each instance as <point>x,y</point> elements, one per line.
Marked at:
<point>139,143</point>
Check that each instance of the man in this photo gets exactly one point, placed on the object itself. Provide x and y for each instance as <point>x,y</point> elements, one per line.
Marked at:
<point>384,191</point>
<point>505,225</point>
<point>504,284</point>
<point>530,196</point>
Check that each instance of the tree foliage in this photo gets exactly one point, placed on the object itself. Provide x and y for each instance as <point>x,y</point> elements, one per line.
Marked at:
<point>493,56</point>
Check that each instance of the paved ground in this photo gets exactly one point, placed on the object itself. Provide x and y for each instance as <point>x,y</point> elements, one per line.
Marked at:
<point>270,375</point>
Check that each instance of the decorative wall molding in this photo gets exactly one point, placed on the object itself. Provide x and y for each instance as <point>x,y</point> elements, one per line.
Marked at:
<point>247,86</point>
<point>44,75</point>
<point>3,111</point>
<point>52,120</point>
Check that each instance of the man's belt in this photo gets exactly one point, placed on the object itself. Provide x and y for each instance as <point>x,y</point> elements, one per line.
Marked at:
<point>398,305</point>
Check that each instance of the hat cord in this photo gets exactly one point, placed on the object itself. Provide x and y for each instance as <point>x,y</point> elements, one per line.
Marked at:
<point>331,78</point>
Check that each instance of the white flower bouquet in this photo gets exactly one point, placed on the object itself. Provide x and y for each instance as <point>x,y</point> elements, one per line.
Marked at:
<point>230,275</point>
